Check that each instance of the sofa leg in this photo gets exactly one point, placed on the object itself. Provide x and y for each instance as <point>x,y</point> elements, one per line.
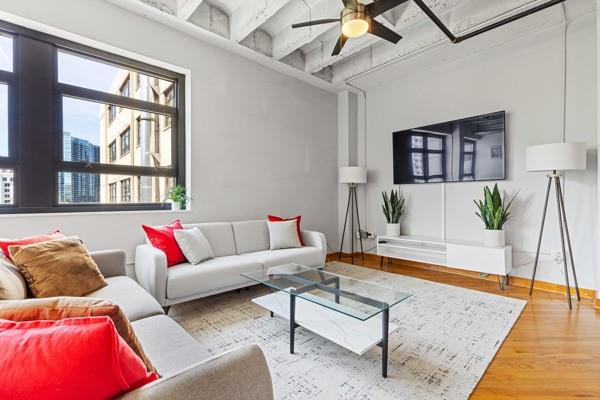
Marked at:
<point>166,309</point>
<point>238,290</point>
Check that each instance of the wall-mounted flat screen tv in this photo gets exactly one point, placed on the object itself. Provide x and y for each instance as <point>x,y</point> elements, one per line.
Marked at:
<point>468,149</point>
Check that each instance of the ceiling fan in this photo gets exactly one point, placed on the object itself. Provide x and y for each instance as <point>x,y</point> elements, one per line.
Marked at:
<point>356,19</point>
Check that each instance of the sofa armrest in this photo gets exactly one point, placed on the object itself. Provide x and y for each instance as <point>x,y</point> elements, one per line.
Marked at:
<point>315,239</point>
<point>238,374</point>
<point>110,262</point>
<point>151,271</point>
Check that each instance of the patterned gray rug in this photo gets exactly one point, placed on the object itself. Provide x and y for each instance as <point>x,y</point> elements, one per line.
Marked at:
<point>447,338</point>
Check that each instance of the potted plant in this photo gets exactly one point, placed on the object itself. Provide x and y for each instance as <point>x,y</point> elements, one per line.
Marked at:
<point>494,212</point>
<point>393,209</point>
<point>177,197</point>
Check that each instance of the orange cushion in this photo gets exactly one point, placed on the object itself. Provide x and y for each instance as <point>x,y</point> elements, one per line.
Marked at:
<point>4,243</point>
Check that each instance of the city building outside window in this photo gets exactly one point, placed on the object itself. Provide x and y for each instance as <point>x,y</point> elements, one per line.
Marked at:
<point>89,91</point>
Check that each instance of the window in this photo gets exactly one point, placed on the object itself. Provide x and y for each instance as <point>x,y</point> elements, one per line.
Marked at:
<point>61,130</point>
<point>468,160</point>
<point>137,80</point>
<point>126,191</point>
<point>125,142</point>
<point>112,188</point>
<point>124,90</point>
<point>112,151</point>
<point>428,154</point>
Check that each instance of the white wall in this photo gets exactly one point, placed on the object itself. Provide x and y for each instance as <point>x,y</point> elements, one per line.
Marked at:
<point>523,76</point>
<point>261,142</point>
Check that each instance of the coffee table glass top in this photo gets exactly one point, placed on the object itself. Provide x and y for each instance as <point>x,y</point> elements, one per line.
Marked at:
<point>349,296</point>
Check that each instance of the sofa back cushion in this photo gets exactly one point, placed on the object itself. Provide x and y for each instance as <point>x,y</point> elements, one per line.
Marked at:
<point>251,236</point>
<point>219,235</point>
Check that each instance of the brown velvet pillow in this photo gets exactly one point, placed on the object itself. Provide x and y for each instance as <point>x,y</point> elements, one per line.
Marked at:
<point>57,268</point>
<point>56,308</point>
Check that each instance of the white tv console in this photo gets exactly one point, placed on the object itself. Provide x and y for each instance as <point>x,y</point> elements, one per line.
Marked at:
<point>467,255</point>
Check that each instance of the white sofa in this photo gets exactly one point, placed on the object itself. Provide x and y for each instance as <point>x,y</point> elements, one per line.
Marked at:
<point>238,247</point>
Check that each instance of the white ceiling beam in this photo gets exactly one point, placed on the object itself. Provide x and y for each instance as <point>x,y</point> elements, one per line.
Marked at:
<point>185,8</point>
<point>411,15</point>
<point>251,14</point>
<point>421,38</point>
<point>289,40</point>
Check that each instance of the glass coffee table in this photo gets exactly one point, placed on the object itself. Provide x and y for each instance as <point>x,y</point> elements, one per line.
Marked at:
<point>336,307</point>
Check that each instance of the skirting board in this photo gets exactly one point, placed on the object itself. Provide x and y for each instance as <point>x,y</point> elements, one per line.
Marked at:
<point>589,294</point>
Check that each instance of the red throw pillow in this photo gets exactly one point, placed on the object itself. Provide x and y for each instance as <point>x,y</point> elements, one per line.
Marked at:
<point>163,239</point>
<point>274,218</point>
<point>28,240</point>
<point>74,358</point>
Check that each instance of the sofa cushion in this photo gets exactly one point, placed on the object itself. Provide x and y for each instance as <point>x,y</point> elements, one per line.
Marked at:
<point>308,256</point>
<point>251,236</point>
<point>130,296</point>
<point>221,272</point>
<point>219,235</point>
<point>194,245</point>
<point>169,347</point>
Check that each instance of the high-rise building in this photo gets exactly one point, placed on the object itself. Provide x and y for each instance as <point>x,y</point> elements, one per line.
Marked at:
<point>77,187</point>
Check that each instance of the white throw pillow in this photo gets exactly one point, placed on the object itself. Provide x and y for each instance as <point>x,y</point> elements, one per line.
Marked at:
<point>193,245</point>
<point>283,234</point>
<point>12,283</point>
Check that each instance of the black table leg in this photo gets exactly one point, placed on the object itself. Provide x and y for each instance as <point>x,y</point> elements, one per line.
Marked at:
<point>337,286</point>
<point>271,291</point>
<point>292,321</point>
<point>385,325</point>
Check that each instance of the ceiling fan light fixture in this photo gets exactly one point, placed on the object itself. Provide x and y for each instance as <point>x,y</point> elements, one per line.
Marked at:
<point>355,23</point>
<point>355,28</point>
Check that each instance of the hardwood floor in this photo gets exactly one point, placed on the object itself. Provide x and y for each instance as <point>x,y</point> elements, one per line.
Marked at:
<point>551,352</point>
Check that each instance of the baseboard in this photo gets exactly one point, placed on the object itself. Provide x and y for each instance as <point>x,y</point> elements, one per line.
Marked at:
<point>514,280</point>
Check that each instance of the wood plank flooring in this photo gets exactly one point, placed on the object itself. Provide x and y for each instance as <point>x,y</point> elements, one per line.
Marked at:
<point>551,352</point>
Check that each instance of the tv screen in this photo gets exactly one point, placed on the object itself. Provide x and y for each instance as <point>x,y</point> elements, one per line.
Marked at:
<point>468,149</point>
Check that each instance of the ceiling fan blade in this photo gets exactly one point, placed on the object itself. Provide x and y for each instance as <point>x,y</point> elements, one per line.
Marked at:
<point>378,29</point>
<point>378,7</point>
<point>315,22</point>
<point>338,46</point>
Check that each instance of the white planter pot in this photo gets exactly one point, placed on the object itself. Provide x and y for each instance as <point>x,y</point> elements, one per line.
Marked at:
<point>392,230</point>
<point>175,206</point>
<point>494,238</point>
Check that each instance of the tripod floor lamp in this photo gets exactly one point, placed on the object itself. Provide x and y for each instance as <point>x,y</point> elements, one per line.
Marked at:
<point>555,158</point>
<point>352,176</point>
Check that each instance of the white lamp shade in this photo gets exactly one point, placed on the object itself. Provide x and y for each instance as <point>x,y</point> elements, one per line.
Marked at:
<point>353,175</point>
<point>557,157</point>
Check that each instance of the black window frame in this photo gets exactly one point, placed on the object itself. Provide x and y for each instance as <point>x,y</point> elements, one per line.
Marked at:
<point>125,186</point>
<point>35,123</point>
<point>112,151</point>
<point>463,152</point>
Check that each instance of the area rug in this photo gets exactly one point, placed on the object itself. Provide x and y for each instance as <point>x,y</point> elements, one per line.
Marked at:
<point>447,337</point>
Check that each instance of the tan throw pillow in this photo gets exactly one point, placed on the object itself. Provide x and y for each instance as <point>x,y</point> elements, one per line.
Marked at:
<point>56,308</point>
<point>57,268</point>
<point>12,282</point>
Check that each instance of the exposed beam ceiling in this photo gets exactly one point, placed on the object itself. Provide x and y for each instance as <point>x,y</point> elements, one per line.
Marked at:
<point>264,26</point>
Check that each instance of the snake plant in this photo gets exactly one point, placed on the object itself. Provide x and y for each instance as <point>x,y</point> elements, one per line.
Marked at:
<point>493,210</point>
<point>393,206</point>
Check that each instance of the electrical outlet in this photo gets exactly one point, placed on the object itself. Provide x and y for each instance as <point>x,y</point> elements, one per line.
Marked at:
<point>557,256</point>
<point>364,234</point>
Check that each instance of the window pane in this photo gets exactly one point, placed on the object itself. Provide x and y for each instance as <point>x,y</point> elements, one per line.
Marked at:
<point>6,53</point>
<point>435,164</point>
<point>85,72</point>
<point>417,164</point>
<point>7,186</point>
<point>4,120</point>
<point>109,141</point>
<point>469,147</point>
<point>434,143</point>
<point>82,188</point>
<point>468,164</point>
<point>416,142</point>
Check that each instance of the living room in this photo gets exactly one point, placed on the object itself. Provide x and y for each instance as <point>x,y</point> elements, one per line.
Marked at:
<point>203,121</point>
